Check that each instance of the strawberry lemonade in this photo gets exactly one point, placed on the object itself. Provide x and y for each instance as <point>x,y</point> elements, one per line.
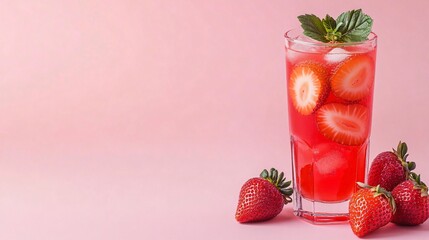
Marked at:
<point>330,93</point>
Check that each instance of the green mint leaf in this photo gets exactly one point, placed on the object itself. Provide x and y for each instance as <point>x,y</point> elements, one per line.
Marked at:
<point>330,25</point>
<point>354,25</point>
<point>351,26</point>
<point>313,27</point>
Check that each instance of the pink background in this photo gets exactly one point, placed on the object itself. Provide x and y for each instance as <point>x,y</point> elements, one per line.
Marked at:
<point>137,119</point>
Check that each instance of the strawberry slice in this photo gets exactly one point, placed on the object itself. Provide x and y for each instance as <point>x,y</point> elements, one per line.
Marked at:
<point>354,78</point>
<point>307,87</point>
<point>344,124</point>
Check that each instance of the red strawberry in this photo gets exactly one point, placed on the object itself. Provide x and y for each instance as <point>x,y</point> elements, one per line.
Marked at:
<point>370,208</point>
<point>354,78</point>
<point>390,168</point>
<point>344,124</point>
<point>412,204</point>
<point>308,86</point>
<point>263,198</point>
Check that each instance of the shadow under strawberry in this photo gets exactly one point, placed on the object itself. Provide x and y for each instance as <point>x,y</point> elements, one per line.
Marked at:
<point>393,230</point>
<point>285,216</point>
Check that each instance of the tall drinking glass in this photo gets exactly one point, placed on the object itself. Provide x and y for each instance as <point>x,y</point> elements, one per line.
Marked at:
<point>330,93</point>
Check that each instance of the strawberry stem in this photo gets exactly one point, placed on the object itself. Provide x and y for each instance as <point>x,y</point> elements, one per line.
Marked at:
<point>402,153</point>
<point>278,181</point>
<point>418,184</point>
<point>379,191</point>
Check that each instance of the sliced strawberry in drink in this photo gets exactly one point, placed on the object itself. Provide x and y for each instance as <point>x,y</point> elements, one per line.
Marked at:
<point>354,78</point>
<point>308,87</point>
<point>344,124</point>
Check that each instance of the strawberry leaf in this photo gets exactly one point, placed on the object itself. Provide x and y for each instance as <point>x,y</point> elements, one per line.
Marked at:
<point>264,174</point>
<point>411,166</point>
<point>278,180</point>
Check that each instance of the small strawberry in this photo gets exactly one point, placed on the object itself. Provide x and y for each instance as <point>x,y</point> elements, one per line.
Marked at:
<point>390,168</point>
<point>354,78</point>
<point>263,198</point>
<point>370,208</point>
<point>412,204</point>
<point>308,87</point>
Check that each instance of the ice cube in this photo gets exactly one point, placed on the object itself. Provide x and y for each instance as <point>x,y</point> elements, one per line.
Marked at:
<point>336,55</point>
<point>305,48</point>
<point>331,162</point>
<point>297,52</point>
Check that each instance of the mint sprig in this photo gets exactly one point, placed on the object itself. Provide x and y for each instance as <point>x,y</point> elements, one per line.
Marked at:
<point>351,26</point>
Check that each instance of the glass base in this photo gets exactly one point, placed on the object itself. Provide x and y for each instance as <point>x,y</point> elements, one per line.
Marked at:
<point>320,212</point>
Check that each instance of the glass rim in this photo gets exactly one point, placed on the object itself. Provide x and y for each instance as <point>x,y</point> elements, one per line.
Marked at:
<point>372,38</point>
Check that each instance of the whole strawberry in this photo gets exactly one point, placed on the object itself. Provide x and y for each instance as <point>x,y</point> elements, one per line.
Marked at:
<point>263,198</point>
<point>390,168</point>
<point>370,208</point>
<point>412,204</point>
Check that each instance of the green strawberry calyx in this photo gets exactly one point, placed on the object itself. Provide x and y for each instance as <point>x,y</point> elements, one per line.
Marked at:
<point>279,182</point>
<point>402,153</point>
<point>418,184</point>
<point>379,191</point>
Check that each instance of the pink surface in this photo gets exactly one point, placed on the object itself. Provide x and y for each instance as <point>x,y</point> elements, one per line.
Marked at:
<point>141,119</point>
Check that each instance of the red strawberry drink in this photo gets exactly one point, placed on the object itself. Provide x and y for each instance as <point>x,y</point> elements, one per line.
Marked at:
<point>330,93</point>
